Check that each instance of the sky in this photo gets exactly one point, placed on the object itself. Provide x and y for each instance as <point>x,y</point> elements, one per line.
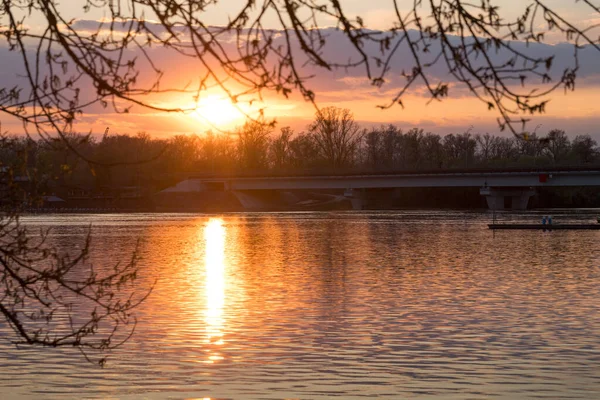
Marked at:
<point>576,112</point>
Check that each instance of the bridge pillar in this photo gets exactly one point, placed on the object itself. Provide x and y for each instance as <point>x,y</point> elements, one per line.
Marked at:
<point>357,198</point>
<point>501,199</point>
<point>250,202</point>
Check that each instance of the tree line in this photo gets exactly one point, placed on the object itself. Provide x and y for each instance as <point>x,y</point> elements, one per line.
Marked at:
<point>333,143</point>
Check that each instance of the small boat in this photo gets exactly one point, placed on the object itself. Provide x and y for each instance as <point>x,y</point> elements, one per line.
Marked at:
<point>552,227</point>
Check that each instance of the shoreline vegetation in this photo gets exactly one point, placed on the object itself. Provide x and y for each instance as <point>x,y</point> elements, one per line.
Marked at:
<point>128,172</point>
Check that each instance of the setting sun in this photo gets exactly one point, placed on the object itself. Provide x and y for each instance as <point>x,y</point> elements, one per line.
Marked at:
<point>217,111</point>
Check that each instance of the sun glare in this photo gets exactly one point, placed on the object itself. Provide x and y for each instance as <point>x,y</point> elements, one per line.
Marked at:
<point>217,111</point>
<point>214,237</point>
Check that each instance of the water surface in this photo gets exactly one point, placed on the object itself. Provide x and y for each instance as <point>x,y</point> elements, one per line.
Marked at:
<point>348,305</point>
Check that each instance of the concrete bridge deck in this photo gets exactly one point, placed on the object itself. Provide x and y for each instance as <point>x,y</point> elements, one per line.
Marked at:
<point>509,188</point>
<point>495,179</point>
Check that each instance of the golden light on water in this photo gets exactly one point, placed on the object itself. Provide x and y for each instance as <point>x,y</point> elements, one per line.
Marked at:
<point>214,238</point>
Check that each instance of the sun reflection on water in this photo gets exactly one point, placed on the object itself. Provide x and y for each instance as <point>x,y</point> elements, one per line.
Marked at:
<point>214,238</point>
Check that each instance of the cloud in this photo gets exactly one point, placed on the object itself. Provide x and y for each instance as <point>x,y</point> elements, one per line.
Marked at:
<point>346,87</point>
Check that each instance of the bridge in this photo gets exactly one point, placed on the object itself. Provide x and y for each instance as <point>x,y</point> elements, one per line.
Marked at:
<point>502,188</point>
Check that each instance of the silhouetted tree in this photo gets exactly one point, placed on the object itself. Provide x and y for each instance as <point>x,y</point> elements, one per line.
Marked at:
<point>557,145</point>
<point>280,149</point>
<point>506,149</point>
<point>382,147</point>
<point>460,149</point>
<point>585,149</point>
<point>337,136</point>
<point>485,146</point>
<point>218,152</point>
<point>53,298</point>
<point>410,148</point>
<point>253,144</point>
<point>373,149</point>
<point>433,150</point>
<point>303,153</point>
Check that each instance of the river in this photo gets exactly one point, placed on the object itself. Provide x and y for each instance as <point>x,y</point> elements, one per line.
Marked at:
<point>406,304</point>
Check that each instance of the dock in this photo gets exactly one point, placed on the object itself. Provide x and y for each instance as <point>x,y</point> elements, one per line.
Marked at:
<point>554,227</point>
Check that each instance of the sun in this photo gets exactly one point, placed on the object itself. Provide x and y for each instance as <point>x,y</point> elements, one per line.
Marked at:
<point>217,111</point>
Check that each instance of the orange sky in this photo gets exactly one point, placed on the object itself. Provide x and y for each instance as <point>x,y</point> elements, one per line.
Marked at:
<point>577,112</point>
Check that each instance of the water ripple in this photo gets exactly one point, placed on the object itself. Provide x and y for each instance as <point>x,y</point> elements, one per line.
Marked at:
<point>349,305</point>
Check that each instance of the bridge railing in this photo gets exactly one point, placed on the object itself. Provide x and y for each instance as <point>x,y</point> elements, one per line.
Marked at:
<point>369,172</point>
